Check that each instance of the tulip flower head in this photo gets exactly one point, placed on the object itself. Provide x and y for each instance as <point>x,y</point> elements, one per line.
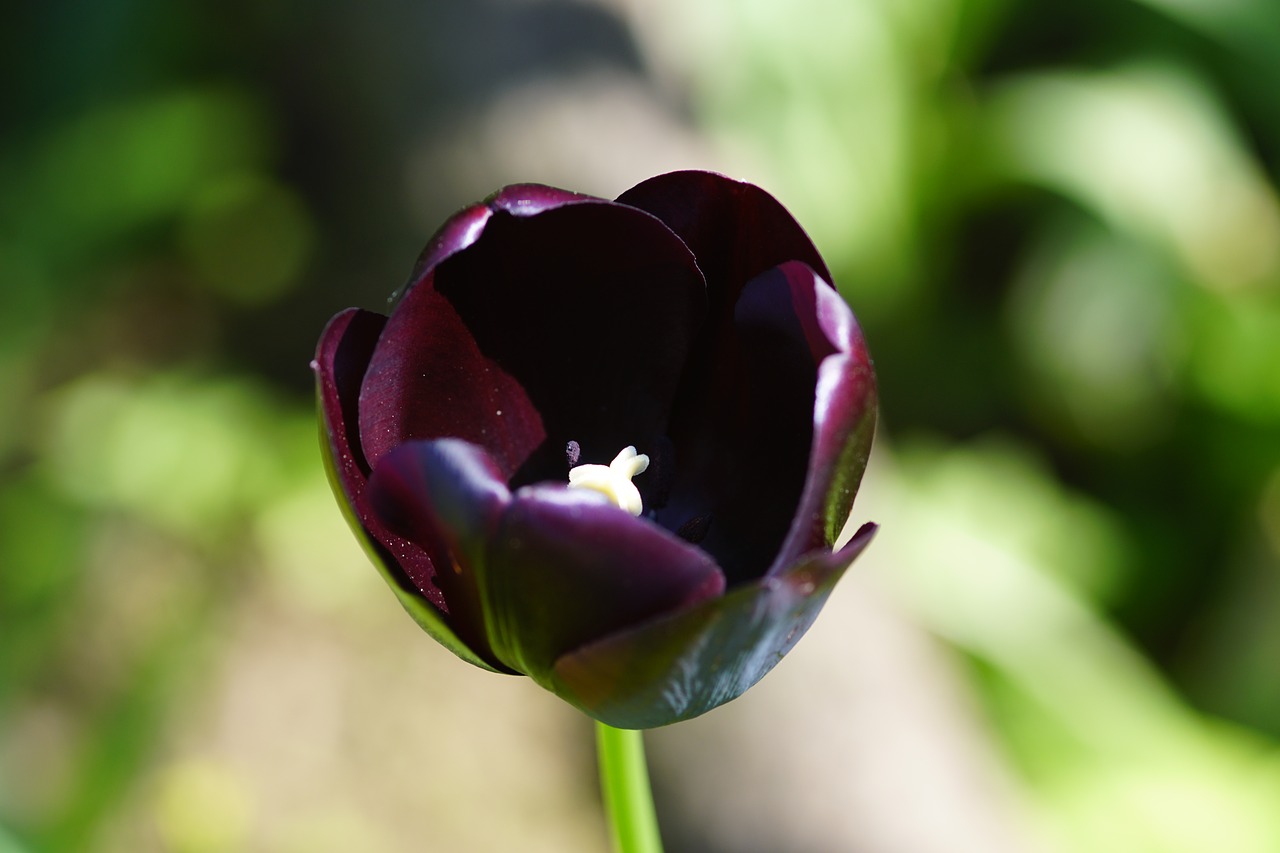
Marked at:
<point>468,435</point>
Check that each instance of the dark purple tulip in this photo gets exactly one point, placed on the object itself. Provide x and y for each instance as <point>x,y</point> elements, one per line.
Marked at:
<point>692,319</point>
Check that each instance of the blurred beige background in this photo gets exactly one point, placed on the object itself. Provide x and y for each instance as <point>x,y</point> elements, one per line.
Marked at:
<point>1056,221</point>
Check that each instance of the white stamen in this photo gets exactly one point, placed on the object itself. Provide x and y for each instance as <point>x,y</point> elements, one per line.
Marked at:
<point>614,480</point>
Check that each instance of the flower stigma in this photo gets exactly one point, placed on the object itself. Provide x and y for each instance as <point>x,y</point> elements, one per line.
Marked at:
<point>614,480</point>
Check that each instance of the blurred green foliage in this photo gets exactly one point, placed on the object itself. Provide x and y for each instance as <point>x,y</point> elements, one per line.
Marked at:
<point>1058,222</point>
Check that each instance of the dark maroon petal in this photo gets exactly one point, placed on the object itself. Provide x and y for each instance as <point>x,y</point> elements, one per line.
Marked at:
<point>724,417</point>
<point>684,664</point>
<point>571,324</point>
<point>446,489</point>
<point>844,422</point>
<point>449,493</point>
<point>736,230</point>
<point>812,400</point>
<point>567,568</point>
<point>750,473</point>
<point>428,378</point>
<point>464,227</point>
<point>342,356</point>
<point>341,359</point>
<point>599,305</point>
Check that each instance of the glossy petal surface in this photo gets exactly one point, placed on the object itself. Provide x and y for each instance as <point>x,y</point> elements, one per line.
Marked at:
<point>844,426</point>
<point>567,568</point>
<point>688,662</point>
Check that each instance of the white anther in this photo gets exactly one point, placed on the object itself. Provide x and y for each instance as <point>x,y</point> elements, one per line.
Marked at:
<point>614,480</point>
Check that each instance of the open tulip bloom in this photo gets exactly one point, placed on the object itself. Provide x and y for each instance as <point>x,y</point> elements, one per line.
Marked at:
<point>608,444</point>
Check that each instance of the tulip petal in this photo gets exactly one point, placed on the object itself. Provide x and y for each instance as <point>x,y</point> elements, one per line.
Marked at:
<point>684,664</point>
<point>429,378</point>
<point>751,473</point>
<point>465,226</point>
<point>346,344</point>
<point>844,422</point>
<point>744,415</point>
<point>341,358</point>
<point>567,568</point>
<point>530,199</point>
<point>799,338</point>
<point>450,493</point>
<point>754,476</point>
<point>599,303</point>
<point>736,230</point>
<point>447,489</point>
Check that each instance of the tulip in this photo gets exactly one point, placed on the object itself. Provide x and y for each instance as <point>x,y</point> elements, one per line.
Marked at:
<point>608,444</point>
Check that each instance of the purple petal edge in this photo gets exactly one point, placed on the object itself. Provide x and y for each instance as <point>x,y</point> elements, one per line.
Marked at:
<point>464,227</point>
<point>844,420</point>
<point>736,229</point>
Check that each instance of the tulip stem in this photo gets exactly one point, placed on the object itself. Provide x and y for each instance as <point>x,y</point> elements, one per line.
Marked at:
<point>624,780</point>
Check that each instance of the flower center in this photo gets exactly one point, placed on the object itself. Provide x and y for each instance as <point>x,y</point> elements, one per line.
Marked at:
<point>614,480</point>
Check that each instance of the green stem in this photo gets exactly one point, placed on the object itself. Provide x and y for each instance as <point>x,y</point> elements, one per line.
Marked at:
<point>624,779</point>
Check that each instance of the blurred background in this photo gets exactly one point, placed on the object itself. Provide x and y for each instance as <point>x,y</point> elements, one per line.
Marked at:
<point>1057,221</point>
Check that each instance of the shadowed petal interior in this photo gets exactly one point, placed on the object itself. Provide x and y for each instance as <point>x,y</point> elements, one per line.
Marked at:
<point>749,476</point>
<point>844,422</point>
<point>600,303</point>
